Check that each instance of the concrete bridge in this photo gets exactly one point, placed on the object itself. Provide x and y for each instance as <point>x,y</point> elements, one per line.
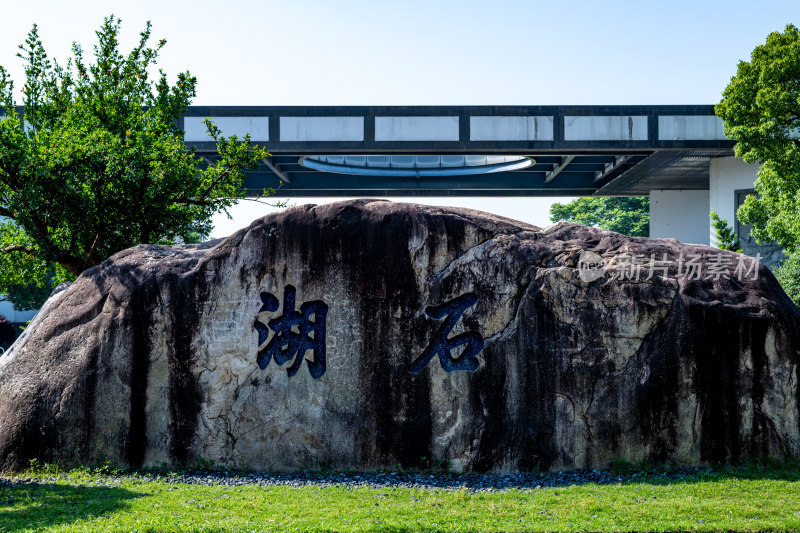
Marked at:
<point>678,155</point>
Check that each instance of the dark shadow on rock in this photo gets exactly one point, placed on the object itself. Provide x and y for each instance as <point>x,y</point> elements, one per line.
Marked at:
<point>26,505</point>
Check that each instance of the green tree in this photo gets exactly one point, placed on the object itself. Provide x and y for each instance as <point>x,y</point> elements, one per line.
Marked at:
<point>629,215</point>
<point>723,233</point>
<point>95,162</point>
<point>788,274</point>
<point>760,108</point>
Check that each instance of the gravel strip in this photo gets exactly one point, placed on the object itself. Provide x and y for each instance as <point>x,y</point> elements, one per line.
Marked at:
<point>381,480</point>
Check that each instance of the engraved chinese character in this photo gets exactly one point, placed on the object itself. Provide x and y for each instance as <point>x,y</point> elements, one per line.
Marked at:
<point>294,333</point>
<point>443,346</point>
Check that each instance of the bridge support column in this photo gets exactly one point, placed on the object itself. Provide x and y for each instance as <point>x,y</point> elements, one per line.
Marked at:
<point>679,214</point>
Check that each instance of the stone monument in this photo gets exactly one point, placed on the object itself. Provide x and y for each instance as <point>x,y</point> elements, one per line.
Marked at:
<point>367,334</point>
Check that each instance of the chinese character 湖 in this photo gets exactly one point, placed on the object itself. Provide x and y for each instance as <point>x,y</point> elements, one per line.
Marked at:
<point>295,333</point>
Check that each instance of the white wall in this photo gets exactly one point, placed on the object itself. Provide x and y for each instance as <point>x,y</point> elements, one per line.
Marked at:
<point>679,214</point>
<point>8,311</point>
<point>728,174</point>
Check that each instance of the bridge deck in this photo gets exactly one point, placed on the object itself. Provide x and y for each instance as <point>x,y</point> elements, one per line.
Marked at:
<point>578,150</point>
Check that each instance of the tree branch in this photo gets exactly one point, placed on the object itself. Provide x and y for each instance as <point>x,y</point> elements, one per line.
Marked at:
<point>210,188</point>
<point>258,200</point>
<point>201,200</point>
<point>30,250</point>
<point>90,255</point>
<point>188,201</point>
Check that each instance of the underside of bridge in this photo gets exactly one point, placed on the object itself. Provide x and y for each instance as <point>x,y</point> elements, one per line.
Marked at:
<point>471,151</point>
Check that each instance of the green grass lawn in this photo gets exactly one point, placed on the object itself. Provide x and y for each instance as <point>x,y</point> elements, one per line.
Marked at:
<point>741,499</point>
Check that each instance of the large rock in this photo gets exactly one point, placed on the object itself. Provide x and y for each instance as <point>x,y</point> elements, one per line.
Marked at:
<point>153,357</point>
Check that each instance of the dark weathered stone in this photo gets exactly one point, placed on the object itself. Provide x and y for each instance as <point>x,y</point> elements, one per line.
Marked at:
<point>153,356</point>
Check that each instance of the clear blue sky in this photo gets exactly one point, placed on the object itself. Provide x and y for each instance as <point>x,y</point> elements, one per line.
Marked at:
<point>323,52</point>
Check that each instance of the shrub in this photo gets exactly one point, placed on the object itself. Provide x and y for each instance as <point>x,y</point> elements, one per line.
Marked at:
<point>788,275</point>
<point>724,234</point>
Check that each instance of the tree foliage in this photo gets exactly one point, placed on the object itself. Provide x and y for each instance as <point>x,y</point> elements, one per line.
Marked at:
<point>724,234</point>
<point>788,274</point>
<point>760,108</point>
<point>29,296</point>
<point>629,215</point>
<point>95,163</point>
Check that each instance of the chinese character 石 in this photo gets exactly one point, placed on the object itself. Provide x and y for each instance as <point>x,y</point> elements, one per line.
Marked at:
<point>295,333</point>
<point>443,346</point>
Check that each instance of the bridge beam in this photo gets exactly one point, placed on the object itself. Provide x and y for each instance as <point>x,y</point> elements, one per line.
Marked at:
<point>558,168</point>
<point>278,172</point>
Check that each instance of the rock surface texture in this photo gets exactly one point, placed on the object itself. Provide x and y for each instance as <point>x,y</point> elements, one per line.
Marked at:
<point>368,334</point>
